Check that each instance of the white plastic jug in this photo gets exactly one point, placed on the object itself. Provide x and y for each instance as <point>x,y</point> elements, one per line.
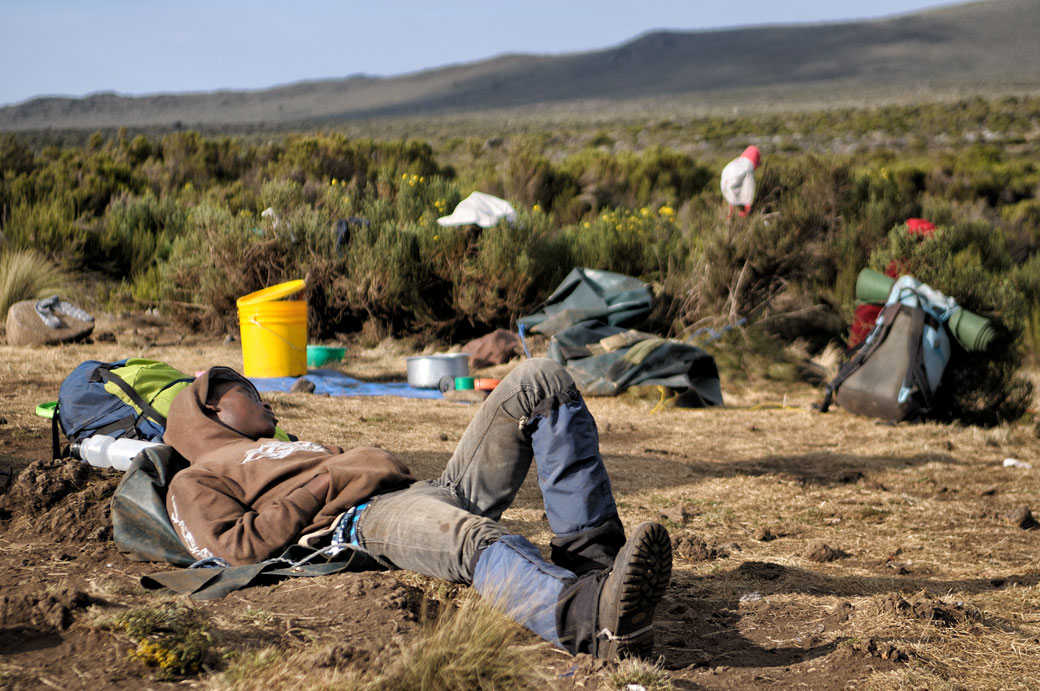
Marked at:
<point>107,452</point>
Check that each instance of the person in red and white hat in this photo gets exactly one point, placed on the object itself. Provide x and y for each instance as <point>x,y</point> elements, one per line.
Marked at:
<point>738,180</point>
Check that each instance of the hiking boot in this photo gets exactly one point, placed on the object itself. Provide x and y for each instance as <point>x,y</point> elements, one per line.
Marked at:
<point>593,549</point>
<point>630,593</point>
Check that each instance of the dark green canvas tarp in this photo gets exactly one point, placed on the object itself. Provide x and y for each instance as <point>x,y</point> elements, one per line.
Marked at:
<point>591,294</point>
<point>605,360</point>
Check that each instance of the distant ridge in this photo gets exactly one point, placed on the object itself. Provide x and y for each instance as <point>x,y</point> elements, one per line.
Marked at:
<point>981,47</point>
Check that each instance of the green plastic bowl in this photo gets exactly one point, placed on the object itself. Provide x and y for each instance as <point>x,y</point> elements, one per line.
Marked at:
<point>318,355</point>
<point>46,409</point>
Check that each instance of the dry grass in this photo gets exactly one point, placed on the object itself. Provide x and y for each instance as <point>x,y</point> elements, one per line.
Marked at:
<point>651,676</point>
<point>275,668</point>
<point>466,647</point>
<point>25,275</point>
<point>471,647</point>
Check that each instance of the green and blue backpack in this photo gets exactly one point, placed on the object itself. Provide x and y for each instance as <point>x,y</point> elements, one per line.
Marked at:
<point>127,398</point>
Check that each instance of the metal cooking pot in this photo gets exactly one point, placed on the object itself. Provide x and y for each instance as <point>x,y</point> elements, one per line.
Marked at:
<point>425,371</point>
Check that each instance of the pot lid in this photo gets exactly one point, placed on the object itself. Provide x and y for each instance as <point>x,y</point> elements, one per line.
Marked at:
<point>438,356</point>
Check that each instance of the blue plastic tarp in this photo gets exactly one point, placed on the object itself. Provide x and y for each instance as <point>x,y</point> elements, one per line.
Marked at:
<point>335,383</point>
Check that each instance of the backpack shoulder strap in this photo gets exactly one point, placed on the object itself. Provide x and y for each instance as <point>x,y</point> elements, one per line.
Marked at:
<point>141,527</point>
<point>56,451</point>
<point>216,582</point>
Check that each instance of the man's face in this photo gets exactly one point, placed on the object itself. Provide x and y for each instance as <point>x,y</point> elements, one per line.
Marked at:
<point>240,409</point>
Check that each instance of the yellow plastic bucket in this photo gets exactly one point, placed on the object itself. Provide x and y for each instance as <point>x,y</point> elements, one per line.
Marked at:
<point>274,331</point>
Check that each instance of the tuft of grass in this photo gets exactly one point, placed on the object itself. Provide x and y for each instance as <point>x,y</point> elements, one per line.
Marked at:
<point>173,638</point>
<point>275,668</point>
<point>24,275</point>
<point>651,676</point>
<point>469,647</point>
<point>257,617</point>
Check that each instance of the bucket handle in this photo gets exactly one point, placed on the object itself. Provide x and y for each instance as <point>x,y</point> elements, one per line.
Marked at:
<point>252,320</point>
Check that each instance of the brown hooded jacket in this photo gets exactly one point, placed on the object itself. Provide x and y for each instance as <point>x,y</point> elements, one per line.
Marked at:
<point>245,500</point>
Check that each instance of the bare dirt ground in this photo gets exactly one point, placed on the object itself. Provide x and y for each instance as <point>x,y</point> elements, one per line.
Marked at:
<point>811,551</point>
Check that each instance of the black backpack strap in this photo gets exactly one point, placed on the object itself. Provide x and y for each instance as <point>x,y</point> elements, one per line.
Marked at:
<point>213,583</point>
<point>141,527</point>
<point>105,374</point>
<point>56,452</point>
<point>887,317</point>
<point>123,427</point>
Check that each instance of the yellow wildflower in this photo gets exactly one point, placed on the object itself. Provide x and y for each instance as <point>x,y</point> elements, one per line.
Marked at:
<point>666,211</point>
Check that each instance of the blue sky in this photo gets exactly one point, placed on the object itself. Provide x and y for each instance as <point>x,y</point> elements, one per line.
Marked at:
<point>77,47</point>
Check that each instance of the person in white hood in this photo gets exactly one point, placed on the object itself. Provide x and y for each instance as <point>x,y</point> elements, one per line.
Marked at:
<point>738,180</point>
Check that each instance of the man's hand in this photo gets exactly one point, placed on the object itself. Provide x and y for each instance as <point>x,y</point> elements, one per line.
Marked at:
<point>319,486</point>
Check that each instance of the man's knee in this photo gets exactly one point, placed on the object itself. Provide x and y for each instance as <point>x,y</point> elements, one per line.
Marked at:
<point>479,533</point>
<point>548,374</point>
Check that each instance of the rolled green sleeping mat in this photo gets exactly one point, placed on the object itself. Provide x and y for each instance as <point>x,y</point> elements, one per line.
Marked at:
<point>873,286</point>
<point>973,332</point>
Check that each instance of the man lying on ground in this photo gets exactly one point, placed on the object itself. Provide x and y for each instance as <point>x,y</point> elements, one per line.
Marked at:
<point>247,496</point>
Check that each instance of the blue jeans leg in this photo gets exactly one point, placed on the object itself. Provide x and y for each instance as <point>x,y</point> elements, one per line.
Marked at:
<point>537,413</point>
<point>578,499</point>
<point>514,578</point>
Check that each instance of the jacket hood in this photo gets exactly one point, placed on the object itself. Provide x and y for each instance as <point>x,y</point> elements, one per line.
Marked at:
<point>752,154</point>
<point>189,429</point>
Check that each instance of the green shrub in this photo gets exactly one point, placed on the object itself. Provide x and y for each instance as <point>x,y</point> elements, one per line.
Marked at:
<point>639,242</point>
<point>174,639</point>
<point>497,274</point>
<point>48,226</point>
<point>136,234</point>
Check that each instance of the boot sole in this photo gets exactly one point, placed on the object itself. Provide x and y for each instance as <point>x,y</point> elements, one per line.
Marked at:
<point>646,569</point>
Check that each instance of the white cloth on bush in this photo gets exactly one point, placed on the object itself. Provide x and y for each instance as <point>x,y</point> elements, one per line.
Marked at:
<point>481,209</point>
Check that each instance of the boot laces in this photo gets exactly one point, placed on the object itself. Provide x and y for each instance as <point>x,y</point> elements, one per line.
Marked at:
<point>607,635</point>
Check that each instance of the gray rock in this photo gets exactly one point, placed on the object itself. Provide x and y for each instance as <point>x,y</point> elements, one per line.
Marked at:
<point>25,327</point>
